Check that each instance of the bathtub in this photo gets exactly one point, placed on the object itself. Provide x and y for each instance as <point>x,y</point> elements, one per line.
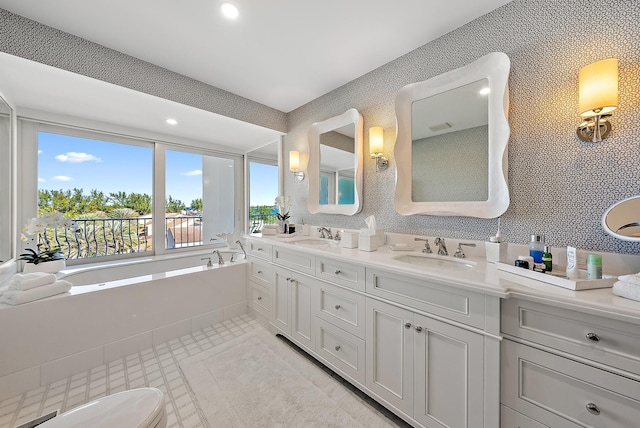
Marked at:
<point>144,269</point>
<point>114,310</point>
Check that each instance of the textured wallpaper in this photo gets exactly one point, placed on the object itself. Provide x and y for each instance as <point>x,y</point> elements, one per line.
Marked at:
<point>559,185</point>
<point>29,39</point>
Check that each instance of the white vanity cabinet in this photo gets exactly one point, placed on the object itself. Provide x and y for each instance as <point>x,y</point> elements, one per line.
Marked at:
<point>291,305</point>
<point>564,368</point>
<point>426,368</point>
<point>260,274</point>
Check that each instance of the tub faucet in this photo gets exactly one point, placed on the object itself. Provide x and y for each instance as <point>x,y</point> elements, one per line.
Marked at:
<point>459,253</point>
<point>220,259</point>
<point>209,264</point>
<point>242,248</point>
<point>322,230</point>
<point>442,248</point>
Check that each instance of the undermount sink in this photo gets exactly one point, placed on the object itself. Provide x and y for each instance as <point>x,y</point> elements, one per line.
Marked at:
<point>314,242</point>
<point>436,261</point>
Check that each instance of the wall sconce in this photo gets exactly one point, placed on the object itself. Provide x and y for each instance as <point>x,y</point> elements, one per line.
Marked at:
<point>598,98</point>
<point>376,147</point>
<point>294,165</point>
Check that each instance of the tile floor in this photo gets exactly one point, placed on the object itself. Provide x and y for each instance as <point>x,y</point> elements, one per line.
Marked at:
<point>156,367</point>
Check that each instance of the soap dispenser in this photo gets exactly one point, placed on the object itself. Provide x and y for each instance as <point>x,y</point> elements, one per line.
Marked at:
<point>495,249</point>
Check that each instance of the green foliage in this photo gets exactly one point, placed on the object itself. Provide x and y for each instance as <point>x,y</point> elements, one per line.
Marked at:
<point>196,204</point>
<point>174,205</point>
<point>31,256</point>
<point>74,203</point>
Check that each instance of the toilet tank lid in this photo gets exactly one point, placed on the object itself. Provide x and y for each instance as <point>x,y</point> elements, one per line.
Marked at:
<point>133,408</point>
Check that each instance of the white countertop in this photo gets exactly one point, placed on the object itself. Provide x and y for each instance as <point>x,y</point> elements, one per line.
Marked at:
<point>483,277</point>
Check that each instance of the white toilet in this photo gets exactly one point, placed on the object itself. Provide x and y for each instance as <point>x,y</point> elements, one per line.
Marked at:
<point>136,408</point>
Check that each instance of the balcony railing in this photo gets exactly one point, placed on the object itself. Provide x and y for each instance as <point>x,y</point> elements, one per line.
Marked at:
<point>257,220</point>
<point>111,236</point>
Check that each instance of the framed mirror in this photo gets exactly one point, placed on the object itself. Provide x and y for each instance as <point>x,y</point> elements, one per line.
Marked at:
<point>622,219</point>
<point>335,165</point>
<point>451,146</point>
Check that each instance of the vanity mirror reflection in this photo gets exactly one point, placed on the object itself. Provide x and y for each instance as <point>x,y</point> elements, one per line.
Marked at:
<point>6,181</point>
<point>622,219</point>
<point>335,164</point>
<point>451,147</point>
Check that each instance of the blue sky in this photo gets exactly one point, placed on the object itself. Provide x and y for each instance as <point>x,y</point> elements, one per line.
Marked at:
<point>66,162</point>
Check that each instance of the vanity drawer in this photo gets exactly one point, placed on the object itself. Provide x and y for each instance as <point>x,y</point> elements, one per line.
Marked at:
<point>612,342</point>
<point>260,272</point>
<point>560,392</point>
<point>341,273</point>
<point>259,299</point>
<point>341,349</point>
<point>341,307</point>
<point>509,418</point>
<point>444,300</point>
<point>297,260</point>
<point>260,249</point>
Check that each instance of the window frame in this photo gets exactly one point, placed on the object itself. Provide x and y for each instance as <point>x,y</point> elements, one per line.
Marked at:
<point>28,130</point>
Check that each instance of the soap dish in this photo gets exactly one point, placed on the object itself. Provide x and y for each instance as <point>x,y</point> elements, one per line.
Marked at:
<point>401,247</point>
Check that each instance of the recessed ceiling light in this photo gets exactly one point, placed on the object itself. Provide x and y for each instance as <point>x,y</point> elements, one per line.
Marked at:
<point>484,91</point>
<point>229,10</point>
<point>172,121</point>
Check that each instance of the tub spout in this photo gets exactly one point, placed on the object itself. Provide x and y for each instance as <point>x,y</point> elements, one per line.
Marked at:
<point>220,259</point>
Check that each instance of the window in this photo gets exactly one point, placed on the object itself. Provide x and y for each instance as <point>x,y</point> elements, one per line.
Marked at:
<point>199,199</point>
<point>263,192</point>
<point>124,192</point>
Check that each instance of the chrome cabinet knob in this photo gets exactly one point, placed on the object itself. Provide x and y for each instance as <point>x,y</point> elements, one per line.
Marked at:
<point>593,409</point>
<point>337,306</point>
<point>259,249</point>
<point>260,298</point>
<point>337,271</point>
<point>407,325</point>
<point>593,337</point>
<point>260,272</point>
<point>288,279</point>
<point>337,348</point>
<point>418,328</point>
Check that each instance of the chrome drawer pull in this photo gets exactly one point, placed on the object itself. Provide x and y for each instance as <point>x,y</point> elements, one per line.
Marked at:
<point>418,328</point>
<point>260,272</point>
<point>337,306</point>
<point>593,337</point>
<point>337,348</point>
<point>259,249</point>
<point>407,325</point>
<point>337,271</point>
<point>593,409</point>
<point>259,297</point>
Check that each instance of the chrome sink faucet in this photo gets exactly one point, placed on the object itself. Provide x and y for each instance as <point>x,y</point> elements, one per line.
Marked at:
<point>459,253</point>
<point>322,231</point>
<point>427,247</point>
<point>442,248</point>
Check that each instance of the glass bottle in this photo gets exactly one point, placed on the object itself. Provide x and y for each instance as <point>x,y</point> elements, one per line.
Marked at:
<point>547,259</point>
<point>536,248</point>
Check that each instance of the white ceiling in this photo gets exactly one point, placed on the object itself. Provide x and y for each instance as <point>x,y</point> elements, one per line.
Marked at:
<point>281,53</point>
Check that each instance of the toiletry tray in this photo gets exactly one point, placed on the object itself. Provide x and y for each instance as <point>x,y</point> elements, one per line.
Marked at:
<point>559,279</point>
<point>287,235</point>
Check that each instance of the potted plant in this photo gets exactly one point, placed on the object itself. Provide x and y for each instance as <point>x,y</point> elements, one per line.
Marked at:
<point>46,258</point>
<point>284,204</point>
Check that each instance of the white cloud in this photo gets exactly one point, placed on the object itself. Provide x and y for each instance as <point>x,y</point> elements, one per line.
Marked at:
<point>41,180</point>
<point>39,152</point>
<point>76,157</point>
<point>193,173</point>
<point>61,178</point>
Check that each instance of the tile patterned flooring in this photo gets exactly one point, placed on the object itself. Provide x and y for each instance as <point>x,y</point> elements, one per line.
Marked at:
<point>156,367</point>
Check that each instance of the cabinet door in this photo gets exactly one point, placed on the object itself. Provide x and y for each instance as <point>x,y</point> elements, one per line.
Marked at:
<point>301,292</point>
<point>448,377</point>
<point>280,300</point>
<point>390,354</point>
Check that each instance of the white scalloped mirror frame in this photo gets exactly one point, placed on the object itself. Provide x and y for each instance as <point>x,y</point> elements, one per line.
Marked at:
<point>495,68</point>
<point>351,116</point>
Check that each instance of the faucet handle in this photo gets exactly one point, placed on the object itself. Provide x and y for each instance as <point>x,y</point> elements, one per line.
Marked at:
<point>209,264</point>
<point>459,253</point>
<point>427,247</point>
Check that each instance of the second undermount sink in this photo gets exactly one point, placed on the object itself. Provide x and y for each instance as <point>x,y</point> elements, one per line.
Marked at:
<point>436,261</point>
<point>314,242</point>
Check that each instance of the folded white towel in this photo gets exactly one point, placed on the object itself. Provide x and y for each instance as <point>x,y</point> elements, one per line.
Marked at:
<point>626,290</point>
<point>633,278</point>
<point>27,281</point>
<point>18,297</point>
